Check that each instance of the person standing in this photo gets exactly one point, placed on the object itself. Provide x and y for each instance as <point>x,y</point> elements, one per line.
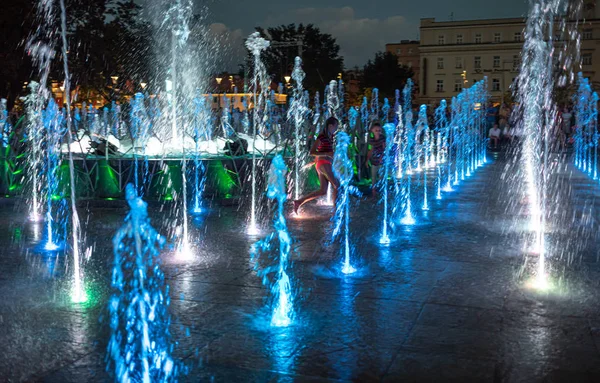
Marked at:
<point>375,154</point>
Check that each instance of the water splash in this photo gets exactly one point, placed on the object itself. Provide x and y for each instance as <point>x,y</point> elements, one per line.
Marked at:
<point>139,345</point>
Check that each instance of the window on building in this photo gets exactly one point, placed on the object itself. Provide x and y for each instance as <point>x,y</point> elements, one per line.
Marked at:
<point>497,37</point>
<point>496,85</point>
<point>410,51</point>
<point>441,40</point>
<point>459,63</point>
<point>399,51</point>
<point>459,39</point>
<point>439,86</point>
<point>586,59</point>
<point>496,61</point>
<point>587,34</point>
<point>517,36</point>
<point>477,62</point>
<point>215,100</point>
<point>458,85</point>
<point>440,63</point>
<point>516,62</point>
<point>478,38</point>
<point>409,64</point>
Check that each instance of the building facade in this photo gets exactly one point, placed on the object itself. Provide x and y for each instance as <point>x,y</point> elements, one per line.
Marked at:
<point>456,54</point>
<point>408,56</point>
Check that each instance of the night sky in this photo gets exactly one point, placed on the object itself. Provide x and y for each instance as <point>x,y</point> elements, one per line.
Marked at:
<point>360,27</point>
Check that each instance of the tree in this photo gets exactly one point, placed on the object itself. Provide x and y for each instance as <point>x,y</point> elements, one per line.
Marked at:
<point>320,54</point>
<point>384,73</point>
<point>16,20</point>
<point>106,38</point>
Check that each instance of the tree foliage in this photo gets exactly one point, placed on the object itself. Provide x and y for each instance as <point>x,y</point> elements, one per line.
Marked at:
<point>105,38</point>
<point>320,54</point>
<point>384,73</point>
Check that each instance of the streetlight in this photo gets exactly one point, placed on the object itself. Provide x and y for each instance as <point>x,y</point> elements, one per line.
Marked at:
<point>114,79</point>
<point>143,85</point>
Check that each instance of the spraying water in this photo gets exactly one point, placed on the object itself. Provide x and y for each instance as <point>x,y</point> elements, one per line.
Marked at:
<point>342,168</point>
<point>199,126</point>
<point>333,107</point>
<point>139,345</point>
<point>297,113</point>
<point>256,45</point>
<point>388,159</point>
<point>538,112</point>
<point>54,127</point>
<point>422,129</point>
<point>282,302</point>
<point>78,293</point>
<point>34,104</point>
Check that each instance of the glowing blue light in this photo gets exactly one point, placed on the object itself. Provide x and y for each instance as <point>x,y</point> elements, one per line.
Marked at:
<point>282,298</point>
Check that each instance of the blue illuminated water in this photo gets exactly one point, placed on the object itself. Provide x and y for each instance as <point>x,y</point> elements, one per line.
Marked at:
<point>140,347</point>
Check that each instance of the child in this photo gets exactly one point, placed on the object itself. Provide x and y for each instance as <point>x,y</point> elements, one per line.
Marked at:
<point>375,154</point>
<point>322,150</point>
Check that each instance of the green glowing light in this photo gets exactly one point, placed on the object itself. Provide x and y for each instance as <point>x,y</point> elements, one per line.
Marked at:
<point>55,197</point>
<point>168,198</point>
<point>110,199</point>
<point>79,296</point>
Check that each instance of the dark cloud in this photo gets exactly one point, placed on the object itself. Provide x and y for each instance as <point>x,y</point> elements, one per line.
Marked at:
<point>361,28</point>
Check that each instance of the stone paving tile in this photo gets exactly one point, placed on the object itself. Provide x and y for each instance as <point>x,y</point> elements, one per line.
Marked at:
<point>427,366</point>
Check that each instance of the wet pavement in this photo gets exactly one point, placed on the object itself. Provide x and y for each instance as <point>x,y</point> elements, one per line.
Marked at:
<point>448,300</point>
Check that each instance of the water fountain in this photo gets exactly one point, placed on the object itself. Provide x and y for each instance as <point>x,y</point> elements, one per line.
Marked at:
<point>333,108</point>
<point>403,204</point>
<point>296,112</point>
<point>586,135</point>
<point>537,111</point>
<point>5,125</point>
<point>282,300</point>
<point>385,110</point>
<point>78,293</point>
<point>54,130</point>
<point>256,45</point>
<point>343,170</point>
<point>34,104</point>
<point>317,112</point>
<point>389,129</point>
<point>139,348</point>
<point>374,105</point>
<point>199,128</point>
<point>422,130</point>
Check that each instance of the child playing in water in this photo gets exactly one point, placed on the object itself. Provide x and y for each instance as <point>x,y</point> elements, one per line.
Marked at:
<point>375,154</point>
<point>322,150</point>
